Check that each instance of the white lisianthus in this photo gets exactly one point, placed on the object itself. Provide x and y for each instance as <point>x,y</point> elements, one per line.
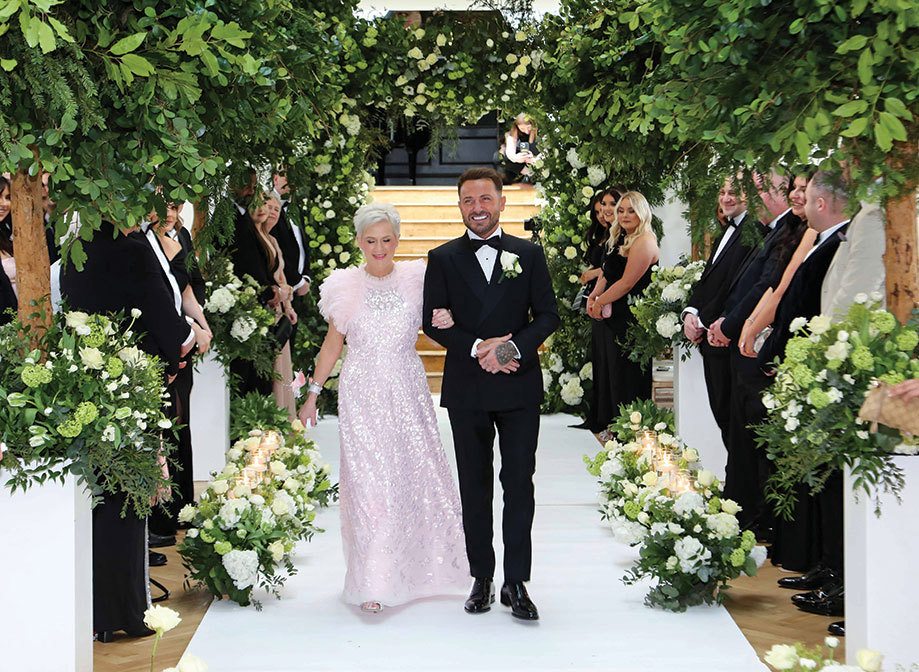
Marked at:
<point>278,469</point>
<point>220,301</point>
<point>231,512</point>
<point>808,663</point>
<point>782,657</point>
<point>831,642</point>
<point>673,292</point>
<point>220,486</point>
<point>791,424</point>
<point>612,467</point>
<point>276,548</point>
<point>819,324</point>
<point>242,328</point>
<point>839,350</point>
<point>234,454</point>
<point>572,393</point>
<point>192,533</point>
<point>876,297</point>
<point>595,174</point>
<point>162,619</point>
<point>842,335</point>
<point>861,297</point>
<point>629,489</point>
<point>797,324</point>
<point>573,159</point>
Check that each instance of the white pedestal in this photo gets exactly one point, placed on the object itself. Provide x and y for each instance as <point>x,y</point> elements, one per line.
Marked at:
<point>46,622</point>
<point>694,420</point>
<point>881,587</point>
<point>210,418</point>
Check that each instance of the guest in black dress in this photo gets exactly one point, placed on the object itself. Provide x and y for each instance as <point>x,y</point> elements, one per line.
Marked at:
<point>631,252</point>
<point>8,299</point>
<point>602,212</point>
<point>520,149</point>
<point>121,273</point>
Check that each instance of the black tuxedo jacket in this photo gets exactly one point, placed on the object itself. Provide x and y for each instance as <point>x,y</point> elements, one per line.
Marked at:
<point>120,274</point>
<point>711,292</point>
<point>198,286</point>
<point>802,298</point>
<point>755,274</point>
<point>523,306</point>
<point>283,232</point>
<point>7,298</point>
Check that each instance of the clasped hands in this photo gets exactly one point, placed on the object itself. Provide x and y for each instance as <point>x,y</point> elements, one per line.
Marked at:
<point>694,331</point>
<point>594,307</point>
<point>491,354</point>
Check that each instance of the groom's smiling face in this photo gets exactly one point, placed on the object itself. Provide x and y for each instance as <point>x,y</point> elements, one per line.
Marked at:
<point>481,205</point>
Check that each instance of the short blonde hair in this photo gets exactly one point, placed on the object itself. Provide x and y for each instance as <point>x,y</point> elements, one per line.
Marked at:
<point>368,215</point>
<point>640,205</point>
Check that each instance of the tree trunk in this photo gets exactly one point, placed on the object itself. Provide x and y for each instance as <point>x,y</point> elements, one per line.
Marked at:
<point>200,209</point>
<point>901,259</point>
<point>33,268</point>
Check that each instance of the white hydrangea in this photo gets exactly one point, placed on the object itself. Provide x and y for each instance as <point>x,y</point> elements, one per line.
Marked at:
<point>691,554</point>
<point>627,531</point>
<point>546,380</point>
<point>242,328</point>
<point>673,292</point>
<point>587,371</point>
<point>724,525</point>
<point>324,168</point>
<point>595,175</point>
<point>220,301</point>
<point>351,122</point>
<point>572,393</point>
<point>612,467</point>
<point>231,512</point>
<point>686,502</point>
<point>555,363</point>
<point>667,325</point>
<point>242,566</point>
<point>573,159</point>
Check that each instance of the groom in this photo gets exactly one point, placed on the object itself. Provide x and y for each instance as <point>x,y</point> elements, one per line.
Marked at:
<point>499,290</point>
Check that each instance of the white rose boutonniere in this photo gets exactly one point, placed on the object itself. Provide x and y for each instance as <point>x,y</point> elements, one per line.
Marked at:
<point>510,265</point>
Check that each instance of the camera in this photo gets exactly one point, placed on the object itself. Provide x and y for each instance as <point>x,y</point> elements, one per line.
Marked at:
<point>533,224</point>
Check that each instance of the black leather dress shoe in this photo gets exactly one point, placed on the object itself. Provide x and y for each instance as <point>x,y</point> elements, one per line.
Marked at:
<point>837,629</point>
<point>482,596</point>
<point>157,559</point>
<point>160,540</point>
<point>514,595</point>
<point>832,605</point>
<point>816,578</point>
<point>818,594</point>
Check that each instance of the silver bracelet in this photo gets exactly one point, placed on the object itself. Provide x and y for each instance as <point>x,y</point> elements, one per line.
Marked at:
<point>315,388</point>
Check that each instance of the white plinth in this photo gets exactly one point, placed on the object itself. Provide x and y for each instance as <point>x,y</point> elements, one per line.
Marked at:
<point>46,622</point>
<point>210,418</point>
<point>694,420</point>
<point>881,587</point>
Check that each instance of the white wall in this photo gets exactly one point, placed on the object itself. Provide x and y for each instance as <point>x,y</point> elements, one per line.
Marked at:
<point>676,239</point>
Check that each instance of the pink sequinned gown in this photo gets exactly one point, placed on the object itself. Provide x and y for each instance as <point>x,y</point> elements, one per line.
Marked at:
<point>401,523</point>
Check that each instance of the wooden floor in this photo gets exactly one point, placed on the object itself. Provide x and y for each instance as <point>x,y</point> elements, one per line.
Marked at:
<point>761,609</point>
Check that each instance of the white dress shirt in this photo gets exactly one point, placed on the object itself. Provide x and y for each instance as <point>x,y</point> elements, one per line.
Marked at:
<point>173,283</point>
<point>487,257</point>
<point>823,236</point>
<point>721,245</point>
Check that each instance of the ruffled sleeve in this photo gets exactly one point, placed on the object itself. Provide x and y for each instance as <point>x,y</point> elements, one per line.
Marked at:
<point>340,295</point>
<point>411,281</point>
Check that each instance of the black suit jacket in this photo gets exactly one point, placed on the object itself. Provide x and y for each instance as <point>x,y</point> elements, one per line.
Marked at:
<point>802,298</point>
<point>191,262</point>
<point>283,232</point>
<point>121,274</point>
<point>248,255</point>
<point>711,292</point>
<point>7,298</point>
<point>754,276</point>
<point>523,306</point>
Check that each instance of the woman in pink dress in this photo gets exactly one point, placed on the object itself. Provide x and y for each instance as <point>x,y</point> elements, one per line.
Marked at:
<point>401,524</point>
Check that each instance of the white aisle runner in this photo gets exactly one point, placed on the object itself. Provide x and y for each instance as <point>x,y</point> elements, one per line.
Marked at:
<point>589,620</point>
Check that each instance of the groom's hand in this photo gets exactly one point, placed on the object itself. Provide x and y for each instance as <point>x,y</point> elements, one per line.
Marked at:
<point>497,355</point>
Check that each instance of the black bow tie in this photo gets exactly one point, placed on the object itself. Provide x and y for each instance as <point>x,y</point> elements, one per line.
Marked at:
<point>494,241</point>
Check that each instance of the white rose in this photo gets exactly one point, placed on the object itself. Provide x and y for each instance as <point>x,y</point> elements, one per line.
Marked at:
<point>635,417</point>
<point>861,297</point>
<point>730,506</point>
<point>187,514</point>
<point>570,252</point>
<point>76,318</point>
<point>797,324</point>
<point>869,660</point>
<point>190,663</point>
<point>705,478</point>
<point>162,619</point>
<point>649,479</point>
<point>278,469</point>
<point>91,358</point>
<point>276,548</point>
<point>690,454</point>
<point>782,657</point>
<point>192,533</point>
<point>819,324</point>
<point>220,486</point>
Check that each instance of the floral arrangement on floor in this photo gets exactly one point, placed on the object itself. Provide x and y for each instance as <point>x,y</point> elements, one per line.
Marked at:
<point>799,658</point>
<point>812,426</point>
<point>239,321</point>
<point>655,494</point>
<point>657,325</point>
<point>251,515</point>
<point>81,398</point>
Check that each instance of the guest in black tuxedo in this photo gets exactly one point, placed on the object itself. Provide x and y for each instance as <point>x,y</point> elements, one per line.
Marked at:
<point>747,466</point>
<point>602,408</point>
<point>706,304</point>
<point>492,378</point>
<point>825,209</point>
<point>294,248</point>
<point>119,275</point>
<point>8,297</point>
<point>631,251</point>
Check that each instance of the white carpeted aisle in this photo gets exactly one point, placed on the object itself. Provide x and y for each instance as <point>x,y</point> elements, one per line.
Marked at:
<point>589,619</point>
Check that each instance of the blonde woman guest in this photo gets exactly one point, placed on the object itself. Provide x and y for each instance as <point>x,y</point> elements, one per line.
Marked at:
<point>631,252</point>
<point>401,524</point>
<point>264,217</point>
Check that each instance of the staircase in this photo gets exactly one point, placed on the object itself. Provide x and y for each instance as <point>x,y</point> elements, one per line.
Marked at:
<point>431,217</point>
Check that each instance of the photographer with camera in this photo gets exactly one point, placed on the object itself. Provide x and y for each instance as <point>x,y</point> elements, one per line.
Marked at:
<point>520,150</point>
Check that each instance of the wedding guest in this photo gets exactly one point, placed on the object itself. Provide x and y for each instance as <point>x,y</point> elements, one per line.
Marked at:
<point>293,244</point>
<point>858,265</point>
<point>179,232</point>
<point>602,348</point>
<point>264,218</point>
<point>631,251</point>
<point>121,273</point>
<point>400,510</point>
<point>520,149</point>
<point>826,204</point>
<point>706,303</point>
<point>8,293</point>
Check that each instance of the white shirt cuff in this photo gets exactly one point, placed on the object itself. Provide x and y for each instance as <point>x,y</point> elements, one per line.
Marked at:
<point>300,284</point>
<point>518,355</point>
<point>190,339</point>
<point>689,310</point>
<point>475,345</point>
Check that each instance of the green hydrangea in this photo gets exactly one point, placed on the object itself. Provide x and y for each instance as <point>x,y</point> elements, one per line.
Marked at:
<point>747,540</point>
<point>35,375</point>
<point>223,547</point>
<point>883,321</point>
<point>907,340</point>
<point>70,428</point>
<point>802,375</point>
<point>892,377</point>
<point>818,398</point>
<point>206,537</point>
<point>797,350</point>
<point>714,505</point>
<point>631,509</point>
<point>862,358</point>
<point>834,364</point>
<point>114,367</point>
<point>738,557</point>
<point>95,338</point>
<point>86,412</point>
